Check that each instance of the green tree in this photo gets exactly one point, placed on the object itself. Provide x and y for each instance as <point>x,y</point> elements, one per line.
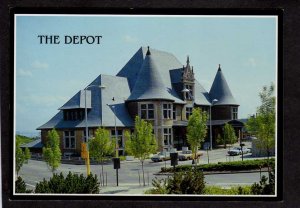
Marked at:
<point>51,152</point>
<point>196,129</point>
<point>101,146</point>
<point>21,156</point>
<point>229,135</point>
<point>21,186</point>
<point>141,142</point>
<point>263,124</point>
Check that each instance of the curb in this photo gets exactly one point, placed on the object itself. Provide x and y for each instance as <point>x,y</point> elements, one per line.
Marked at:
<point>222,172</point>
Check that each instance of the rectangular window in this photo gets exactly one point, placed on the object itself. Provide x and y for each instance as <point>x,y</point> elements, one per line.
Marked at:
<point>167,111</point>
<point>174,112</point>
<point>119,137</point>
<point>73,115</point>
<point>167,136</point>
<point>190,95</point>
<point>69,140</point>
<point>234,113</point>
<point>90,132</point>
<point>188,112</point>
<point>147,111</point>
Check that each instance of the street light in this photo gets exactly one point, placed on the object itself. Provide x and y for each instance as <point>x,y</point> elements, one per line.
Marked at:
<point>116,134</point>
<point>210,130</point>
<point>88,170</point>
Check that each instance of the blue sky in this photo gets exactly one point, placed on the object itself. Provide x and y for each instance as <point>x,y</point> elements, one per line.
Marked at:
<point>48,75</point>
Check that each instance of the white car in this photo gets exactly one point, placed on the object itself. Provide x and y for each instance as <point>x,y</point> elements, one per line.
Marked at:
<point>161,156</point>
<point>238,151</point>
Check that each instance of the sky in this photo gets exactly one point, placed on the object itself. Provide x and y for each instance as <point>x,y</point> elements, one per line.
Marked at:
<point>48,75</point>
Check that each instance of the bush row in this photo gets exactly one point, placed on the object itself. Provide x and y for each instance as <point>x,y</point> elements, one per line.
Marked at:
<point>224,166</point>
<point>72,183</point>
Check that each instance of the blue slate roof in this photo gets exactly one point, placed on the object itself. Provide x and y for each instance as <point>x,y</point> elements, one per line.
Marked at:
<point>144,77</point>
<point>220,90</point>
<point>153,80</point>
<point>102,112</point>
<point>34,144</point>
<point>78,101</point>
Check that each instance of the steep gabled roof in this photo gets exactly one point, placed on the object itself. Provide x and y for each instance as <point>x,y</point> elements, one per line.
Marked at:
<point>201,95</point>
<point>153,80</point>
<point>78,100</point>
<point>221,91</point>
<point>102,110</point>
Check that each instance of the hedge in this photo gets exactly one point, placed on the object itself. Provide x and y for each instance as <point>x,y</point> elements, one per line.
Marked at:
<point>224,166</point>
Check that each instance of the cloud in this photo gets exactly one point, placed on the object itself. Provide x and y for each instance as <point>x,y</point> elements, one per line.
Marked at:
<point>39,65</point>
<point>24,73</point>
<point>129,39</point>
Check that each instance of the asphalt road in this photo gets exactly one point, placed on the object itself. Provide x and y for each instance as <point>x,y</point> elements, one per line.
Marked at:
<point>131,171</point>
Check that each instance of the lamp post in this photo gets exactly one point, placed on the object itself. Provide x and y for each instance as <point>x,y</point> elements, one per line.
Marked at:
<point>210,129</point>
<point>88,169</point>
<point>116,134</point>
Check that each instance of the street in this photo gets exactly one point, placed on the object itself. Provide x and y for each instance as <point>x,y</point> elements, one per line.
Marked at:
<point>130,173</point>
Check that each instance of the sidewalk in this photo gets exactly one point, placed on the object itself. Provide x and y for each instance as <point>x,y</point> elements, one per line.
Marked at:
<point>125,188</point>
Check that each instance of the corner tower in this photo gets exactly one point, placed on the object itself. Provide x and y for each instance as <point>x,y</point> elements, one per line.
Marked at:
<point>226,107</point>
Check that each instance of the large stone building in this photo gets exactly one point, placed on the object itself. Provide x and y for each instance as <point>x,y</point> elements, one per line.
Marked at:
<point>153,85</point>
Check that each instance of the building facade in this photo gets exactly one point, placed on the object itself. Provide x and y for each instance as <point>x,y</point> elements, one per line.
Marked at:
<point>153,85</point>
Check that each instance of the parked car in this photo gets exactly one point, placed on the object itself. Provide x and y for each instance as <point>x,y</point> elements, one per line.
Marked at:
<point>161,157</point>
<point>238,151</point>
<point>187,155</point>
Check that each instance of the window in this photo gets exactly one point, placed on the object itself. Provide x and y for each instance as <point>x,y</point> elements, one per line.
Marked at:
<point>69,140</point>
<point>174,112</point>
<point>147,111</point>
<point>119,137</point>
<point>234,111</point>
<point>167,110</point>
<point>73,114</point>
<point>90,132</point>
<point>167,136</point>
<point>188,112</point>
<point>190,94</point>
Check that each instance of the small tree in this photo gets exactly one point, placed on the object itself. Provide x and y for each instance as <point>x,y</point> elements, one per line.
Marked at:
<point>21,156</point>
<point>263,124</point>
<point>196,129</point>
<point>51,152</point>
<point>229,135</point>
<point>141,142</point>
<point>100,146</point>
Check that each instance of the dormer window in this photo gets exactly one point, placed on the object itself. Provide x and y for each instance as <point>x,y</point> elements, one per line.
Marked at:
<point>73,114</point>
<point>190,93</point>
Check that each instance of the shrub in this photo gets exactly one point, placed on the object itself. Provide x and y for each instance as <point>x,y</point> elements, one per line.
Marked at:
<point>223,166</point>
<point>189,182</point>
<point>71,184</point>
<point>264,187</point>
<point>236,190</point>
<point>21,186</point>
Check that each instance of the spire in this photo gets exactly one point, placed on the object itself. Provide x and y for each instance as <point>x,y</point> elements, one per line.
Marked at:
<point>221,91</point>
<point>188,61</point>
<point>148,51</point>
<point>150,82</point>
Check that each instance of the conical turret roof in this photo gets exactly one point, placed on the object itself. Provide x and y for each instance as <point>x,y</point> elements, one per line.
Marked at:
<point>221,91</point>
<point>150,84</point>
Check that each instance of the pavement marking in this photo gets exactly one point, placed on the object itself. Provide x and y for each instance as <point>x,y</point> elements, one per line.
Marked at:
<point>29,185</point>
